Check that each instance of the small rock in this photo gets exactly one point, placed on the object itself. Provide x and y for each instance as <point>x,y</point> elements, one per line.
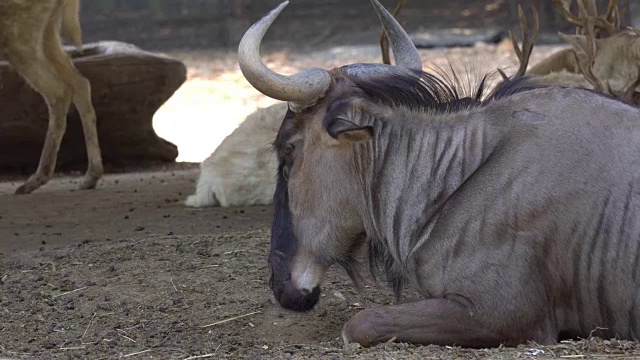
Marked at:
<point>534,352</point>
<point>70,304</point>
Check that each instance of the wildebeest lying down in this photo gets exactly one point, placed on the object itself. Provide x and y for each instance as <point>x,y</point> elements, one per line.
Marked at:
<point>516,215</point>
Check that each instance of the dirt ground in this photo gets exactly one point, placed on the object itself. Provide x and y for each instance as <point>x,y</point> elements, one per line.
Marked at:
<point>127,271</point>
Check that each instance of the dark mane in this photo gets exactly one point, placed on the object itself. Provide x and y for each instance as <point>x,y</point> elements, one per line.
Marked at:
<point>436,93</point>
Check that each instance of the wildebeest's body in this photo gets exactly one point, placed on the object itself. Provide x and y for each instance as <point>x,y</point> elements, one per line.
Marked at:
<point>517,215</point>
<point>523,208</point>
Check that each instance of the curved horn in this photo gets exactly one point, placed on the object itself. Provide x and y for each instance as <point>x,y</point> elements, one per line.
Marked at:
<point>404,51</point>
<point>305,87</point>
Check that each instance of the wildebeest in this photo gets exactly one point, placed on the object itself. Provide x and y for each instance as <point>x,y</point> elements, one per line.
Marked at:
<point>516,215</point>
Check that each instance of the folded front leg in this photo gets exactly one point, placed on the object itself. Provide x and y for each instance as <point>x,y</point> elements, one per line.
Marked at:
<point>430,321</point>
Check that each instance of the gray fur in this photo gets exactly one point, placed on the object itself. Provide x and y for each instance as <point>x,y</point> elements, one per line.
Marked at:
<point>525,211</point>
<point>516,216</point>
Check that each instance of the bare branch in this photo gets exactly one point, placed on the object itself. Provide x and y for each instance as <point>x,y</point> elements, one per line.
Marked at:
<point>612,10</point>
<point>503,75</point>
<point>384,41</point>
<point>524,53</point>
<point>585,54</point>
<point>587,11</point>
<point>565,11</point>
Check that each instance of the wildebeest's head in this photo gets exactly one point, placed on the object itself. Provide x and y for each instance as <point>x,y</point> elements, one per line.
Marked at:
<point>319,202</point>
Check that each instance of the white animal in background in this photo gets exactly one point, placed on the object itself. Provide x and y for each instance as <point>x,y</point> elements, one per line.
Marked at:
<point>30,41</point>
<point>242,169</point>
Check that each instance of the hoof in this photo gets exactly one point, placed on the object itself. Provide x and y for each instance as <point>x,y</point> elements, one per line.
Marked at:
<point>89,183</point>
<point>26,188</point>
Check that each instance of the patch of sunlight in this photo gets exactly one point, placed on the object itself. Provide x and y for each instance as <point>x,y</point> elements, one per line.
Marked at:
<point>202,112</point>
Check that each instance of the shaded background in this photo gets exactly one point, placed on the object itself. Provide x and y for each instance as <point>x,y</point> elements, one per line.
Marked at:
<point>219,24</point>
<point>204,35</point>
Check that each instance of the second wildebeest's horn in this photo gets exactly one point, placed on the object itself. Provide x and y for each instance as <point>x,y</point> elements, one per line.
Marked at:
<point>404,51</point>
<point>305,87</point>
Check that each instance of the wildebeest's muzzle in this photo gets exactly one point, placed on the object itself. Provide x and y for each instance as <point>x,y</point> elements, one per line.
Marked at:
<point>283,288</point>
<point>283,249</point>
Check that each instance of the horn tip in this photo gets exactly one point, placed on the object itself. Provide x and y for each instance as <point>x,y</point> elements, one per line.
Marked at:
<point>376,4</point>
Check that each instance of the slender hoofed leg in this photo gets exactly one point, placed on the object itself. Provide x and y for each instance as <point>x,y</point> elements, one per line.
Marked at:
<point>82,101</point>
<point>38,55</point>
<point>430,321</point>
<point>42,77</point>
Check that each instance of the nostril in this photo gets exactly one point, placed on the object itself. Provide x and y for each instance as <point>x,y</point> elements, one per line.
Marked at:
<point>297,299</point>
<point>305,292</point>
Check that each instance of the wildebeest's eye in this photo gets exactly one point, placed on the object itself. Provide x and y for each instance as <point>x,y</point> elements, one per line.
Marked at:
<point>289,149</point>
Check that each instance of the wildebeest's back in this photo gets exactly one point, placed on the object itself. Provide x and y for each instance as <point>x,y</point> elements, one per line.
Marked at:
<point>548,230</point>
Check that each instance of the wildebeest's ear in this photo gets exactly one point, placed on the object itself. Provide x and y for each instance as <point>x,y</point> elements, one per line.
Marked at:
<point>345,130</point>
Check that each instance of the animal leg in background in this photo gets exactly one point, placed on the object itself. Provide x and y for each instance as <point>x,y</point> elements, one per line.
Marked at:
<point>82,101</point>
<point>427,321</point>
<point>41,60</point>
<point>71,22</point>
<point>41,75</point>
